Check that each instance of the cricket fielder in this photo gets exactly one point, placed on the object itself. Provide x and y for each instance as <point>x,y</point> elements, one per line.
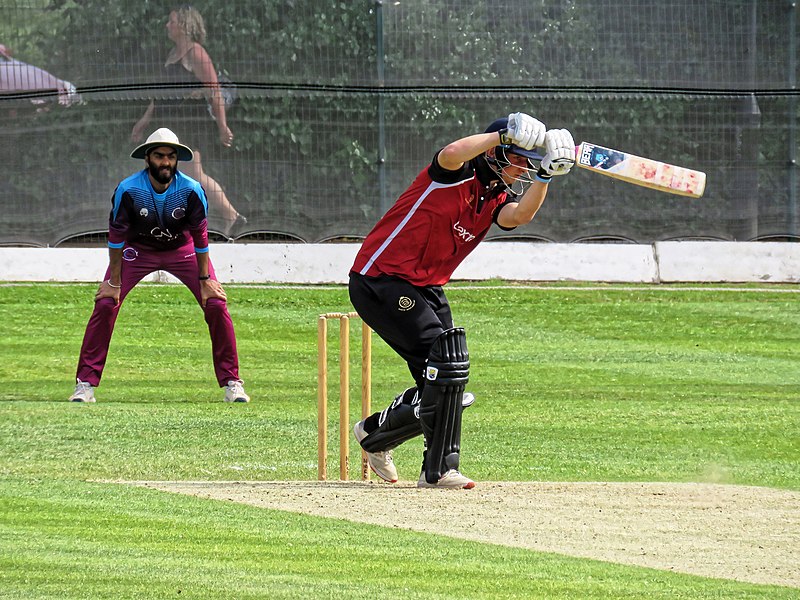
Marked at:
<point>397,278</point>
<point>158,222</point>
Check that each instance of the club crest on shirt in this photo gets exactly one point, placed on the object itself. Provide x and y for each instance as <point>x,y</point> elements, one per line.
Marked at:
<point>405,303</point>
<point>129,254</point>
<point>144,212</point>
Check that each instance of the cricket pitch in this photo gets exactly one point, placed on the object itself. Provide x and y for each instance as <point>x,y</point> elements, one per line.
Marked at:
<point>743,533</point>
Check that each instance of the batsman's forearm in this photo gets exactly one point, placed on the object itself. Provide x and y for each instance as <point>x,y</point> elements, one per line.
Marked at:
<point>522,212</point>
<point>532,201</point>
<point>457,153</point>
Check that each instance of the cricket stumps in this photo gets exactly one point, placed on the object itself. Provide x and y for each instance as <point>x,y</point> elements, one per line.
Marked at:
<point>344,391</point>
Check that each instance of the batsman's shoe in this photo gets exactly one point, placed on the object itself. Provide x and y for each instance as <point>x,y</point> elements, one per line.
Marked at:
<point>381,463</point>
<point>450,480</point>
<point>84,392</point>
<point>234,391</point>
<point>467,399</point>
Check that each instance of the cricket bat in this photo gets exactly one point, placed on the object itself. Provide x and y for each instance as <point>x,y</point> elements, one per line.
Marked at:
<point>640,171</point>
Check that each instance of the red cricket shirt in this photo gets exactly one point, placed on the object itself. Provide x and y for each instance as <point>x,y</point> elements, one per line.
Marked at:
<point>432,227</point>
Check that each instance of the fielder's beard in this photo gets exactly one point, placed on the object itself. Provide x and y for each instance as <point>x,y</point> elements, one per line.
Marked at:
<point>162,175</point>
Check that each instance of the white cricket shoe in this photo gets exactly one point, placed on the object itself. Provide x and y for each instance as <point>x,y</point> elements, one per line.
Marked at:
<point>234,391</point>
<point>84,392</point>
<point>381,463</point>
<point>452,480</point>
<point>467,399</point>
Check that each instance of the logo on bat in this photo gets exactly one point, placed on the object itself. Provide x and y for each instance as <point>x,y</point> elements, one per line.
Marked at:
<point>600,158</point>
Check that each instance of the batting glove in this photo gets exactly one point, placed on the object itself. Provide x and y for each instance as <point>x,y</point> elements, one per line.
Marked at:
<point>560,152</point>
<point>524,131</point>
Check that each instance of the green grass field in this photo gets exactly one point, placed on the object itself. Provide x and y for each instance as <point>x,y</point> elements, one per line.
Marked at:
<point>574,383</point>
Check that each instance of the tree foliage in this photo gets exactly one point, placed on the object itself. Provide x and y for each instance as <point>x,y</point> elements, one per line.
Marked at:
<point>329,129</point>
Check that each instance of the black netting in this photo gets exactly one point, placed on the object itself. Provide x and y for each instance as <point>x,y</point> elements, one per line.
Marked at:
<point>339,104</point>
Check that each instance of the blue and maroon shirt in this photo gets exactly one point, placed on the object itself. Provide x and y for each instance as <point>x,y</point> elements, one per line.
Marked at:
<point>143,217</point>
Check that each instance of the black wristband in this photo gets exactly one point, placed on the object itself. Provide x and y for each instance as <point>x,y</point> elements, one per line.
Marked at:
<point>504,139</point>
<point>541,175</point>
<point>204,277</point>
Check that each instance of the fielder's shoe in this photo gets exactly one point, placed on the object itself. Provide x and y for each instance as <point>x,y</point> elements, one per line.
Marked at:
<point>84,392</point>
<point>234,391</point>
<point>381,463</point>
<point>452,479</point>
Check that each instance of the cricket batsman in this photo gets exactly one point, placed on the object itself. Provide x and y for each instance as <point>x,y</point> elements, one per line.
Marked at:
<point>396,283</point>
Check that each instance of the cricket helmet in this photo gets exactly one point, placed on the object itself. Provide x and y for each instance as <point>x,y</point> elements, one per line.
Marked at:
<point>500,159</point>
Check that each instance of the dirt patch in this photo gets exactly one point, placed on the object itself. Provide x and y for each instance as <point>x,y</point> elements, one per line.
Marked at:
<point>734,532</point>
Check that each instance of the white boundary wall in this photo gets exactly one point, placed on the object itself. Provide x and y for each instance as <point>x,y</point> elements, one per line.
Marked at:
<point>662,262</point>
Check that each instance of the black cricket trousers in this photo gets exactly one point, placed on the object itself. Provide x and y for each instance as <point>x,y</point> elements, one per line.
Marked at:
<point>407,317</point>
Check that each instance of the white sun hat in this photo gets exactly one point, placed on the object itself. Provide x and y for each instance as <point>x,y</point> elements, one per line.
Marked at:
<point>163,137</point>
